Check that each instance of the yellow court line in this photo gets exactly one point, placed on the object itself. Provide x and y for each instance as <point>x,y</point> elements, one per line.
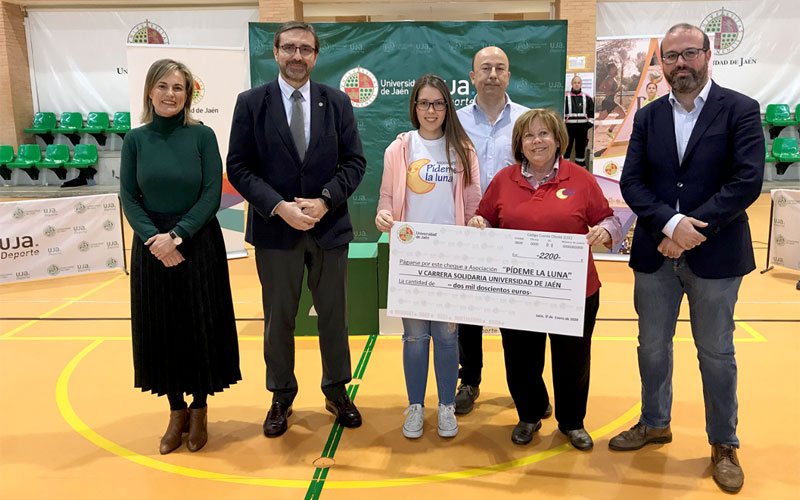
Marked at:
<point>757,337</point>
<point>64,406</point>
<point>58,308</point>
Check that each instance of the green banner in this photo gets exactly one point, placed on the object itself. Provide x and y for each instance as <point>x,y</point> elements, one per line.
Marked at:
<point>377,64</point>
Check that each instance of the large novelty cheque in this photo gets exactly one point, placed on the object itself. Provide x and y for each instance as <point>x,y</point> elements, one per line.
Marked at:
<point>526,280</point>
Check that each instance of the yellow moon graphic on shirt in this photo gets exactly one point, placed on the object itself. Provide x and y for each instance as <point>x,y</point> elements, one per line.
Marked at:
<point>560,194</point>
<point>415,181</point>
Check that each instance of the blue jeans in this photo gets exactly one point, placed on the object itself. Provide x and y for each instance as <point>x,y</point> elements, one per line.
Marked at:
<point>657,298</point>
<point>417,335</point>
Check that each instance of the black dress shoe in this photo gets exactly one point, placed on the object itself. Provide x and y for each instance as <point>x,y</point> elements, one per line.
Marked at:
<point>579,438</point>
<point>346,412</point>
<point>275,423</point>
<point>548,412</point>
<point>523,432</point>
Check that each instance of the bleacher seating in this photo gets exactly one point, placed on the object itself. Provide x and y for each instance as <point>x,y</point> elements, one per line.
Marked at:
<point>785,151</point>
<point>71,122</point>
<point>96,125</point>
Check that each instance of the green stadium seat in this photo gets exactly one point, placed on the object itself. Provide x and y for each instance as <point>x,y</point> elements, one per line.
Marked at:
<point>84,156</point>
<point>28,155</point>
<point>43,123</point>
<point>778,117</point>
<point>96,123</point>
<point>779,114</point>
<point>768,158</point>
<point>71,122</point>
<point>122,123</point>
<point>55,157</point>
<point>785,150</point>
<point>6,156</point>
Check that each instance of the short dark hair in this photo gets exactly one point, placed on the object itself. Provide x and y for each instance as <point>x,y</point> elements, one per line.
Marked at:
<point>296,25</point>
<point>686,27</point>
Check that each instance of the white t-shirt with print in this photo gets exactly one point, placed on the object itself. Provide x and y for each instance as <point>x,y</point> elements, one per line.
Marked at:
<point>430,182</point>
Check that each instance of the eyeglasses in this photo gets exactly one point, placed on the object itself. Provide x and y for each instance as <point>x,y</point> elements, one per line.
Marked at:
<point>289,49</point>
<point>689,54</point>
<point>440,105</point>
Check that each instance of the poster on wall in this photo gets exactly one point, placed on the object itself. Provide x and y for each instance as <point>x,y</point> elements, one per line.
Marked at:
<point>629,77</point>
<point>376,64</point>
<point>754,47</point>
<point>78,56</point>
<point>784,243</point>
<point>60,237</point>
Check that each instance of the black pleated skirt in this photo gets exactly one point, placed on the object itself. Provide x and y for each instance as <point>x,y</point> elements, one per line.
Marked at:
<point>183,328</point>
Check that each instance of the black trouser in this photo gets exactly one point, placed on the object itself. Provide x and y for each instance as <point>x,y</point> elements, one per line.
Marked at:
<point>470,354</point>
<point>281,275</point>
<point>578,134</point>
<point>571,357</point>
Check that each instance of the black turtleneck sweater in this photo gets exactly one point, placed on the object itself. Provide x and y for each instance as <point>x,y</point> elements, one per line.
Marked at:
<point>169,167</point>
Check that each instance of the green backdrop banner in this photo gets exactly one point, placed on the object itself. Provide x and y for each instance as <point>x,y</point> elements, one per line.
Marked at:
<point>377,64</point>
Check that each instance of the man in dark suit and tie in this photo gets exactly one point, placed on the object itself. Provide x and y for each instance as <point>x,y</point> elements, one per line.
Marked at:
<point>695,162</point>
<point>295,155</point>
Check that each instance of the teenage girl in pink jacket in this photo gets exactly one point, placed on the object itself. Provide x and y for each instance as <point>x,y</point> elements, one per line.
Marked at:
<point>430,175</point>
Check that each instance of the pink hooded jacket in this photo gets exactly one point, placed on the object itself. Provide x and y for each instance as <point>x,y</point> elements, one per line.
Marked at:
<point>393,184</point>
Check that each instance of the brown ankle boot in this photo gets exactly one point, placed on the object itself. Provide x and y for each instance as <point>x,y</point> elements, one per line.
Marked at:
<point>178,421</point>
<point>198,428</point>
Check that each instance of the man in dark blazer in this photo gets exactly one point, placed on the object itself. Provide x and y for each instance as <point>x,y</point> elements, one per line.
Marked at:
<point>695,162</point>
<point>295,155</point>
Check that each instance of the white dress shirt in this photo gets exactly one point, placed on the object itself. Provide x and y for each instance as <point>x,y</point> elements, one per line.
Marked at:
<point>492,142</point>
<point>684,124</point>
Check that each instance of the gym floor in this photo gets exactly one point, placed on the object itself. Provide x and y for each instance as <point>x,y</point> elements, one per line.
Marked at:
<point>73,426</point>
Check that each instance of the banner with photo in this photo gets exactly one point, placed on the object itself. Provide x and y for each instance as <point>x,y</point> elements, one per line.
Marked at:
<point>755,51</point>
<point>784,244</point>
<point>629,76</point>
<point>59,237</point>
<point>78,59</point>
<point>218,80</point>
<point>377,64</point>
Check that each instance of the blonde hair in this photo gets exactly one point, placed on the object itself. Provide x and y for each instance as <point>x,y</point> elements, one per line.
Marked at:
<point>550,119</point>
<point>157,71</point>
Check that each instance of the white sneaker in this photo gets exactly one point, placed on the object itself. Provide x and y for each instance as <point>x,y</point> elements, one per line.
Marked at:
<point>412,427</point>
<point>448,426</point>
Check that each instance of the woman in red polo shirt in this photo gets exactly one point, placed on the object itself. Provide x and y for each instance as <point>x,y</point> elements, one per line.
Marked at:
<point>545,192</point>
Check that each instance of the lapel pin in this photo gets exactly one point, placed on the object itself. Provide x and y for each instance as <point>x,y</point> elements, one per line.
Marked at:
<point>320,104</point>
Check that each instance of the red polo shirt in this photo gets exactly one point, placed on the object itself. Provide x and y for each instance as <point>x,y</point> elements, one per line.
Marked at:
<point>570,203</point>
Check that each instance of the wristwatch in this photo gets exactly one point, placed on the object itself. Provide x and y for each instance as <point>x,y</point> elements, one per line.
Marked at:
<point>175,237</point>
<point>326,198</point>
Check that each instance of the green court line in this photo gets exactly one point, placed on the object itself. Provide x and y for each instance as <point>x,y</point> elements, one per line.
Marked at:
<point>320,474</point>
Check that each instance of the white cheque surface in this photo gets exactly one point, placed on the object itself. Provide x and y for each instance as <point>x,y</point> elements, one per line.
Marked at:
<point>526,280</point>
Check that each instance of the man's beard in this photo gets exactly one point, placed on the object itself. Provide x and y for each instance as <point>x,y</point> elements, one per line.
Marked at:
<point>684,84</point>
<point>295,71</point>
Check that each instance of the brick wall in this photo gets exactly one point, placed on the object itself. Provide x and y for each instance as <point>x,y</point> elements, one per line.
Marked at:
<point>276,11</point>
<point>581,16</point>
<point>16,104</point>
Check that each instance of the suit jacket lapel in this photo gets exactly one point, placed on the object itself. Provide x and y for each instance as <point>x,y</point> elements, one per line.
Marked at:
<point>317,106</point>
<point>277,115</point>
<point>665,127</point>
<point>711,109</point>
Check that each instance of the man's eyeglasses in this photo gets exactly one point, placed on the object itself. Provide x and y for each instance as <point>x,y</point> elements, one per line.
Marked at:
<point>289,49</point>
<point>426,105</point>
<point>689,54</point>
